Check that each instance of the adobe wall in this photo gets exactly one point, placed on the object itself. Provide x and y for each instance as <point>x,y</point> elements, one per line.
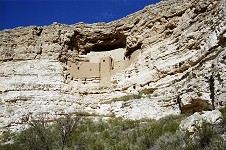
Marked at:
<point>84,70</point>
<point>106,66</point>
<point>102,65</point>
<point>116,55</point>
<point>118,67</point>
<point>126,62</point>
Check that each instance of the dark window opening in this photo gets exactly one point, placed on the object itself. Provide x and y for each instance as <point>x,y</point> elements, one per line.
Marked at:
<point>134,87</point>
<point>78,68</point>
<point>103,60</point>
<point>90,69</point>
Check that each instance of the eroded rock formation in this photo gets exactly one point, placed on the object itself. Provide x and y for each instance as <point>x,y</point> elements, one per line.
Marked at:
<point>182,44</point>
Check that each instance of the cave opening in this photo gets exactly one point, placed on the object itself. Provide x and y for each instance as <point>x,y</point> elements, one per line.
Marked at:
<point>108,43</point>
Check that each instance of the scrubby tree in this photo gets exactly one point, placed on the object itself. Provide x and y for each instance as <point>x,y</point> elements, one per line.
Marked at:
<point>66,126</point>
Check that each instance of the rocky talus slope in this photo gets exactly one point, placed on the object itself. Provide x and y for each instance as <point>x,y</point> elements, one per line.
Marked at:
<point>181,67</point>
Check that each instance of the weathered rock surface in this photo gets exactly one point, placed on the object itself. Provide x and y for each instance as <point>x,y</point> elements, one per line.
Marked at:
<point>196,120</point>
<point>183,44</point>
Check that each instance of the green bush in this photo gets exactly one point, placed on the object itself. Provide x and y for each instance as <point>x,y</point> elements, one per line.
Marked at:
<point>170,141</point>
<point>113,134</point>
<point>148,91</point>
<point>127,97</point>
<point>223,112</point>
<point>204,139</point>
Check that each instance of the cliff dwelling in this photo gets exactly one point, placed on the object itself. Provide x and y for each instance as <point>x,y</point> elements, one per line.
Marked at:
<point>101,65</point>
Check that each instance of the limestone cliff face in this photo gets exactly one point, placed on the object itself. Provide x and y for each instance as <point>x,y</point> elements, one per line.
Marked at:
<point>181,65</point>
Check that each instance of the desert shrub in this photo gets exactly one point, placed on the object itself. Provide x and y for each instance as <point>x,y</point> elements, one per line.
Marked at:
<point>6,136</point>
<point>127,97</point>
<point>32,138</point>
<point>114,134</point>
<point>223,112</point>
<point>65,127</point>
<point>89,134</point>
<point>207,138</point>
<point>152,132</point>
<point>148,91</point>
<point>35,138</point>
<point>205,134</point>
<point>204,139</point>
<point>111,134</point>
<point>168,141</point>
<point>42,135</point>
<point>6,140</point>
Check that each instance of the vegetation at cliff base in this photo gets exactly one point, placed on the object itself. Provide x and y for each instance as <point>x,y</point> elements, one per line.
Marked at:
<point>111,134</point>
